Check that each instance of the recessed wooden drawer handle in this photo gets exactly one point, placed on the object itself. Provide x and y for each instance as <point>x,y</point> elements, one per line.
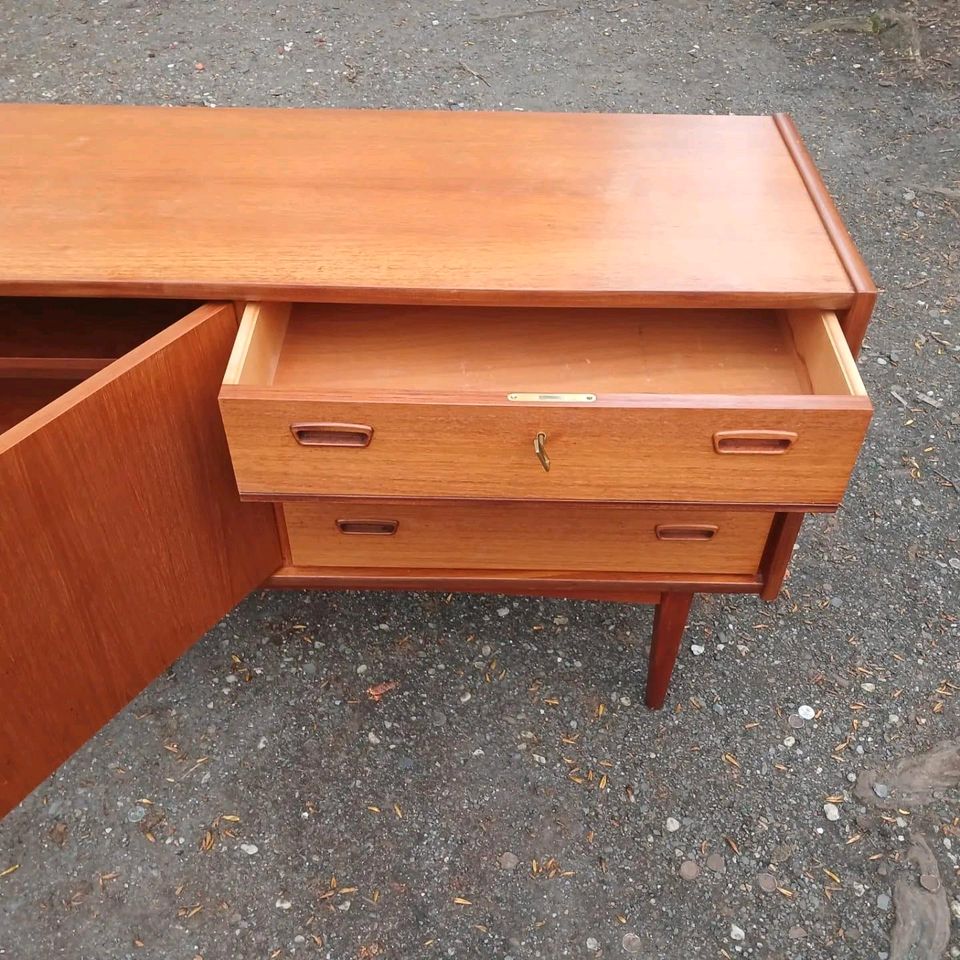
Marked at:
<point>686,531</point>
<point>332,434</point>
<point>753,441</point>
<point>376,528</point>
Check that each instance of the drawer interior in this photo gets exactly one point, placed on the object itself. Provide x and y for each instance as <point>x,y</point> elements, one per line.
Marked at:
<point>369,350</point>
<point>49,345</point>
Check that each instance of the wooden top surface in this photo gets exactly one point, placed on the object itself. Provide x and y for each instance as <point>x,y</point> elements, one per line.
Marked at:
<point>428,207</point>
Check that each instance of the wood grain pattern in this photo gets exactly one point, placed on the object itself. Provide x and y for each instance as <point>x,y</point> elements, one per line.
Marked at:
<point>586,585</point>
<point>526,536</point>
<point>256,352</point>
<point>777,555</point>
<point>669,622</point>
<point>654,449</point>
<point>123,541</point>
<point>409,206</point>
<point>856,317</point>
<point>820,345</point>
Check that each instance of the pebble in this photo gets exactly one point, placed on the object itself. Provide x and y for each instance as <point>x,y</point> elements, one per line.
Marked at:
<point>249,849</point>
<point>930,882</point>
<point>284,904</point>
<point>716,863</point>
<point>672,825</point>
<point>883,901</point>
<point>632,943</point>
<point>881,790</point>
<point>593,945</point>
<point>807,712</point>
<point>310,668</point>
<point>796,933</point>
<point>373,738</point>
<point>868,687</point>
<point>697,650</point>
<point>767,882</point>
<point>781,853</point>
<point>831,811</point>
<point>789,742</point>
<point>561,621</point>
<point>689,870</point>
<point>955,908</point>
<point>362,669</point>
<point>503,612</point>
<point>509,861</point>
<point>737,933</point>
<point>465,697</point>
<point>486,650</point>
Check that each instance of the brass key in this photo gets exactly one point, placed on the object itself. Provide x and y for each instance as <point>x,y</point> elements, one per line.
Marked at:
<point>540,449</point>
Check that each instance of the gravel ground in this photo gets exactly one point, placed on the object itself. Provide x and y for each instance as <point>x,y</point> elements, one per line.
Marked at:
<point>511,796</point>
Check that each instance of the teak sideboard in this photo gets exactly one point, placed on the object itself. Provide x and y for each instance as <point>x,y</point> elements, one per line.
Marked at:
<point>592,356</point>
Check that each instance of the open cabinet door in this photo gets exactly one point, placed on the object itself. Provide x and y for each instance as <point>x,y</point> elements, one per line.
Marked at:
<point>122,539</point>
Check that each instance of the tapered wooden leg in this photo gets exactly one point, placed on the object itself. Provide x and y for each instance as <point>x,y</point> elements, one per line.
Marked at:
<point>669,622</point>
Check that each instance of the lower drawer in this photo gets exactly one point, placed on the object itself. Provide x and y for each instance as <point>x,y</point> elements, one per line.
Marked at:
<point>524,536</point>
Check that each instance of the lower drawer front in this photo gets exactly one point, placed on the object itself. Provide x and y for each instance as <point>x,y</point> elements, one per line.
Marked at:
<point>525,536</point>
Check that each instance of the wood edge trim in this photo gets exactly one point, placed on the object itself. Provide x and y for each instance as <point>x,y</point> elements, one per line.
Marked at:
<point>359,499</point>
<point>245,393</point>
<point>842,354</point>
<point>424,296</point>
<point>778,552</point>
<point>504,581</point>
<point>857,316</point>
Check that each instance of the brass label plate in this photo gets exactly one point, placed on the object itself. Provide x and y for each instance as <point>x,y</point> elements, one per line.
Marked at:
<point>552,397</point>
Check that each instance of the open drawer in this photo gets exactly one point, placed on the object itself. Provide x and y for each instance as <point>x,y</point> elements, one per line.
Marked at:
<point>754,407</point>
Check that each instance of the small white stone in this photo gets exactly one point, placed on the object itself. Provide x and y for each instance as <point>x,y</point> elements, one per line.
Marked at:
<point>868,687</point>
<point>831,811</point>
<point>807,712</point>
<point>593,945</point>
<point>284,904</point>
<point>673,825</point>
<point>737,933</point>
<point>362,669</point>
<point>503,612</point>
<point>539,758</point>
<point>464,697</point>
<point>249,848</point>
<point>373,738</point>
<point>697,650</point>
<point>261,743</point>
<point>789,741</point>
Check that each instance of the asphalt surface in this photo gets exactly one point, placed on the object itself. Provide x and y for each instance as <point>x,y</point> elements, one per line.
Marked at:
<point>511,796</point>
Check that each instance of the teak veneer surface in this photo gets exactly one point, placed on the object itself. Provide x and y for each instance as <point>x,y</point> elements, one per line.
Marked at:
<point>123,540</point>
<point>358,349</point>
<point>394,206</point>
<point>527,536</point>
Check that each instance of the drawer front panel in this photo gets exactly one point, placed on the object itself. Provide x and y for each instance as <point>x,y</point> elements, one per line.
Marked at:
<point>792,452</point>
<point>543,536</point>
